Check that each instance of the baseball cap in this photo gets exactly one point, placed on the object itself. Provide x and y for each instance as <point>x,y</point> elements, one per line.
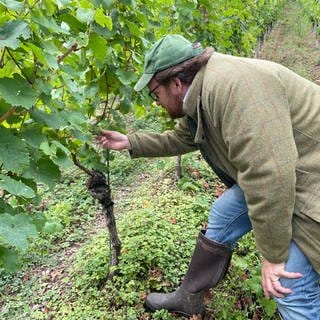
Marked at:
<point>169,51</point>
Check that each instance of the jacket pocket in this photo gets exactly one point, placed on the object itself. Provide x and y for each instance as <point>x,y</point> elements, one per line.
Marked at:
<point>308,194</point>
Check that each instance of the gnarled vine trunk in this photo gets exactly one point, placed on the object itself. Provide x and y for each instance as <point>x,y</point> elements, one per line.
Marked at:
<point>100,190</point>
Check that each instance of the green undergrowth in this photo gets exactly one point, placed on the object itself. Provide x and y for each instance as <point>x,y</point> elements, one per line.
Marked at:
<point>158,221</point>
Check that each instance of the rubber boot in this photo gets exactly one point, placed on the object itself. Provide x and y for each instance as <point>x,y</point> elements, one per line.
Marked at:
<point>208,266</point>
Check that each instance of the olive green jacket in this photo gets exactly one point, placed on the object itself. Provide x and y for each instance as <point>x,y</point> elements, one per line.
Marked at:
<point>259,123</point>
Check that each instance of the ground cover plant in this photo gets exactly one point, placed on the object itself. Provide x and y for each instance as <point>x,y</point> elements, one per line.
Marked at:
<point>158,223</point>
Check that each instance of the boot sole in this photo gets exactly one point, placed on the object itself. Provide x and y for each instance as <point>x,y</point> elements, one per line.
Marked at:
<point>177,312</point>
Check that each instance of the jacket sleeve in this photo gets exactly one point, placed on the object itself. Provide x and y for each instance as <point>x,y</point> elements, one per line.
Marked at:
<point>255,124</point>
<point>169,143</point>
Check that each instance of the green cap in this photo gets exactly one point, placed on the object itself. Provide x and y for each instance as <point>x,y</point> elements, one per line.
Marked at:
<point>165,53</point>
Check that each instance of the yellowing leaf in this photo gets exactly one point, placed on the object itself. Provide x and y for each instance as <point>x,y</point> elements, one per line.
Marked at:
<point>101,18</point>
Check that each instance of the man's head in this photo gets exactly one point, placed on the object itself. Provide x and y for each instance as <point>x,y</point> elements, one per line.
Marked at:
<point>170,66</point>
<point>167,52</point>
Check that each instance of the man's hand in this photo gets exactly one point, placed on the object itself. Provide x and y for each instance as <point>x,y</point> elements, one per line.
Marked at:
<point>112,140</point>
<point>271,273</point>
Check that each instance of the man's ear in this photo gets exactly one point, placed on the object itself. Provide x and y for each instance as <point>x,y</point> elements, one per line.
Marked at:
<point>177,83</point>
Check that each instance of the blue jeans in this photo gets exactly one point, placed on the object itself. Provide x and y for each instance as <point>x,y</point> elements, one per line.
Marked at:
<point>229,221</point>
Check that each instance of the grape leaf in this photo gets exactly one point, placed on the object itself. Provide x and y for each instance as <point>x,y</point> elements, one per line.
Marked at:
<point>16,229</point>
<point>11,31</point>
<point>9,259</point>
<point>17,91</point>
<point>14,155</point>
<point>12,4</point>
<point>43,171</point>
<point>15,187</point>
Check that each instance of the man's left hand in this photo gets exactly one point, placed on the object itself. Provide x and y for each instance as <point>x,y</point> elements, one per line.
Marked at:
<point>271,274</point>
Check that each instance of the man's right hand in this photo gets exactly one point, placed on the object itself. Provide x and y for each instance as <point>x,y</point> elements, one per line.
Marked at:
<point>112,140</point>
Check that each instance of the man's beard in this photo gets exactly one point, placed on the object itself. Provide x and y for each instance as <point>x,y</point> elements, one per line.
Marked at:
<point>177,111</point>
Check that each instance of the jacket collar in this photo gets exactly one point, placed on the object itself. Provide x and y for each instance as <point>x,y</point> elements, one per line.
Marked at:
<point>193,99</point>
<point>192,105</point>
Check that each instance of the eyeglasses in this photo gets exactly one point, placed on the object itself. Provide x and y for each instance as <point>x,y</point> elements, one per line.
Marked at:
<point>152,93</point>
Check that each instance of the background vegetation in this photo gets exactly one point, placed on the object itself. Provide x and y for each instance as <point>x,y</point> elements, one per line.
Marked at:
<point>69,66</point>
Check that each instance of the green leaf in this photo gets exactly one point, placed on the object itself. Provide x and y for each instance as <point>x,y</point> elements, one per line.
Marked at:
<point>126,77</point>
<point>15,230</point>
<point>33,136</point>
<point>4,106</point>
<point>9,259</point>
<point>254,284</point>
<point>140,111</point>
<point>39,219</point>
<point>15,187</point>
<point>17,91</point>
<point>48,23</point>
<point>134,29</point>
<point>52,227</point>
<point>11,31</point>
<point>241,262</point>
<point>62,160</point>
<point>75,119</point>
<point>13,152</point>
<point>98,46</point>
<point>5,207</point>
<point>60,146</point>
<point>102,19</point>
<point>38,52</point>
<point>53,119</point>
<point>44,171</point>
<point>106,4</point>
<point>128,2</point>
<point>125,106</point>
<point>12,4</point>
<point>85,15</point>
<point>269,306</point>
<point>58,153</point>
<point>49,150</point>
<point>80,135</point>
<point>73,23</point>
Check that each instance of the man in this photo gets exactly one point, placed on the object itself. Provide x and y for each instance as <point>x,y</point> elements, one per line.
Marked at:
<point>257,124</point>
